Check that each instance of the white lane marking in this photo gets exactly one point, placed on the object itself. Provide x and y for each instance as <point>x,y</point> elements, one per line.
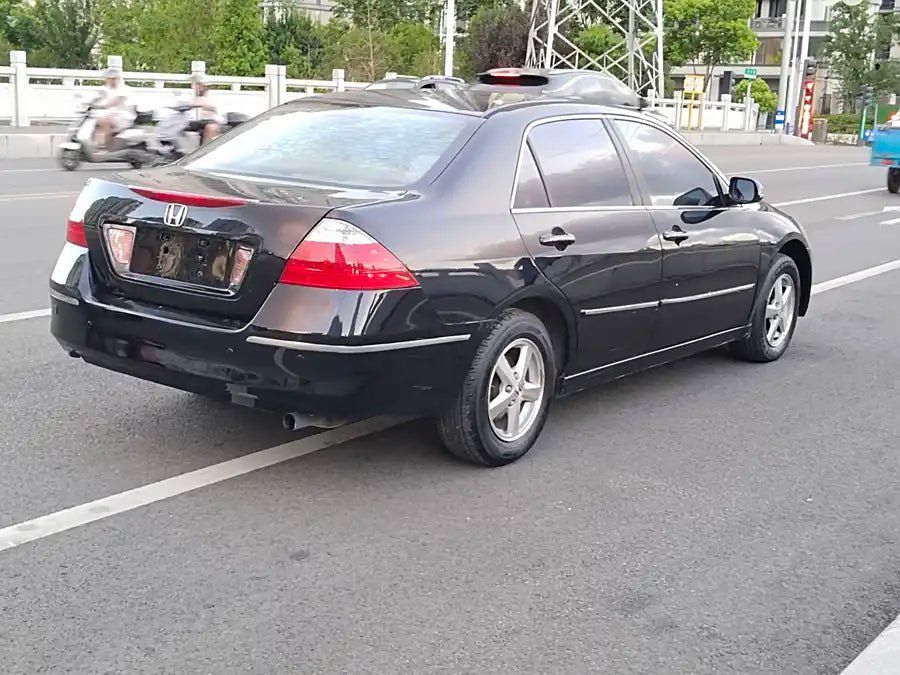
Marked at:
<point>76,516</point>
<point>21,316</point>
<point>864,214</point>
<point>31,530</point>
<point>809,200</point>
<point>856,276</point>
<point>35,196</point>
<point>797,168</point>
<point>881,657</point>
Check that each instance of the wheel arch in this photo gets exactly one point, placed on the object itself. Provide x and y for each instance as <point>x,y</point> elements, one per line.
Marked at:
<point>797,251</point>
<point>556,314</point>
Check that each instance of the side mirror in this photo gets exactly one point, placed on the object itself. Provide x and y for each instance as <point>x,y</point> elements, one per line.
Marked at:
<point>744,191</point>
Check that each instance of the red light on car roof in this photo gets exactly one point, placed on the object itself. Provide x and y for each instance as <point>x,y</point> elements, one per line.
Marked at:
<point>188,199</point>
<point>75,233</point>
<point>505,72</point>
<point>339,256</point>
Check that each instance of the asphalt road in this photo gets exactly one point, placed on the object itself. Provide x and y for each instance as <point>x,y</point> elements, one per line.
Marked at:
<point>705,517</point>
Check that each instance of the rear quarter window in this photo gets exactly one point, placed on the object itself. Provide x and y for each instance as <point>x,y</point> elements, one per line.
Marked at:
<point>360,146</point>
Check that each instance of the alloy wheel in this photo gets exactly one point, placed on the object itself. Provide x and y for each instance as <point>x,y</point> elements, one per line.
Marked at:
<point>516,390</point>
<point>780,311</point>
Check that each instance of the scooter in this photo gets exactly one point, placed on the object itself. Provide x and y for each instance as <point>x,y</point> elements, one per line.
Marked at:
<point>171,142</point>
<point>130,145</point>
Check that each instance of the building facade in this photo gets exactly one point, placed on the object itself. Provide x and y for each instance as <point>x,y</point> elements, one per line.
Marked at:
<point>768,25</point>
<point>319,11</point>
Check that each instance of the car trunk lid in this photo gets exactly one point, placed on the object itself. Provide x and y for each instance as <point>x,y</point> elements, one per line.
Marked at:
<point>209,245</point>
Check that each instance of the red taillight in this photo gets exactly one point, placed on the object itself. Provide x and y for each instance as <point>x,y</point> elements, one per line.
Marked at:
<point>340,256</point>
<point>189,199</point>
<point>75,233</point>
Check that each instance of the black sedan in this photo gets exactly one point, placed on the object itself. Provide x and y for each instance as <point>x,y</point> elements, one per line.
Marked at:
<point>461,254</point>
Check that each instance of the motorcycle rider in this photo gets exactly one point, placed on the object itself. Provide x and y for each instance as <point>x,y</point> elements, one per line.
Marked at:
<point>208,123</point>
<point>115,114</point>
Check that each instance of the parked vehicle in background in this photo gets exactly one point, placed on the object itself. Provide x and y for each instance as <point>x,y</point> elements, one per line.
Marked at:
<point>426,253</point>
<point>410,82</point>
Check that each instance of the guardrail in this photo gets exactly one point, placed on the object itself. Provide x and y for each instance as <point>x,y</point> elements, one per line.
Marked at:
<point>48,95</point>
<point>725,115</point>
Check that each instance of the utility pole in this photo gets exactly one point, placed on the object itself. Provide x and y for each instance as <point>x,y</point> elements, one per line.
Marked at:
<point>791,101</point>
<point>786,49</point>
<point>450,36</point>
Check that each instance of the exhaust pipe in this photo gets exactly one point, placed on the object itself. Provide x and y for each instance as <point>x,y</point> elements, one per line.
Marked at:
<point>296,421</point>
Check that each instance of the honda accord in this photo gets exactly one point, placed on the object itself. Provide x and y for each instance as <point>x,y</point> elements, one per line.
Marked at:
<point>461,254</point>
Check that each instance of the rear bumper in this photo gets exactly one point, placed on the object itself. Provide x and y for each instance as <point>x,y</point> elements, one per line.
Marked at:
<point>259,367</point>
<point>259,371</point>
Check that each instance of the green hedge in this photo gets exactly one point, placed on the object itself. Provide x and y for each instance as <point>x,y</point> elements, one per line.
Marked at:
<point>848,123</point>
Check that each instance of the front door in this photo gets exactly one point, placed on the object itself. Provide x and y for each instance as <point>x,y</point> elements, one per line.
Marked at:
<point>711,251</point>
<point>575,207</point>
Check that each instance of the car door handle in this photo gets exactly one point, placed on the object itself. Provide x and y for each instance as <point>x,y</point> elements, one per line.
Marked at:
<point>676,234</point>
<point>559,239</point>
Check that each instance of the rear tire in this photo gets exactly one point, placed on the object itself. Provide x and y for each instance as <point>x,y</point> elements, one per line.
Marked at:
<point>774,315</point>
<point>893,180</point>
<point>503,403</point>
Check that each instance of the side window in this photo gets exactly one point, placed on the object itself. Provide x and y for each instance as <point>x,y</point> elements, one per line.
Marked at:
<point>673,174</point>
<point>530,192</point>
<point>580,164</point>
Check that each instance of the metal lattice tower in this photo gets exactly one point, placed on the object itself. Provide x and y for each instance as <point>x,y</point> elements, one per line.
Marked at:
<point>635,55</point>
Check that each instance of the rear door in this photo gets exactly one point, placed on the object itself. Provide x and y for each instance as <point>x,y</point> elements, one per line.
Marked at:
<point>711,251</point>
<point>575,205</point>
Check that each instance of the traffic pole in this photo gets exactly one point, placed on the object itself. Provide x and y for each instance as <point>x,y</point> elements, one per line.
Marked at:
<point>450,37</point>
<point>786,43</point>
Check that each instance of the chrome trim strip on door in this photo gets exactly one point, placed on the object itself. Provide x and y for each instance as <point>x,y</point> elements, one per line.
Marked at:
<point>705,296</point>
<point>654,353</point>
<point>355,349</point>
<point>621,308</point>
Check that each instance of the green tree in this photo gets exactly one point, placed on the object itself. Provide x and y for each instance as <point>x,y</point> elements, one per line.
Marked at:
<point>383,15</point>
<point>66,32</point>
<point>361,52</point>
<point>157,35</point>
<point>413,49</point>
<point>708,33</point>
<point>759,90</point>
<point>497,38</point>
<point>239,38</point>
<point>855,37</point>
<point>293,40</point>
<point>601,42</point>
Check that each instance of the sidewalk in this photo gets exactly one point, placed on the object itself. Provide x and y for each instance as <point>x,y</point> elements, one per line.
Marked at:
<point>42,142</point>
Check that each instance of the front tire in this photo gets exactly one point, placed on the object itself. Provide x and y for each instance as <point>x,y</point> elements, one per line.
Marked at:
<point>774,316</point>
<point>70,159</point>
<point>893,180</point>
<point>503,403</point>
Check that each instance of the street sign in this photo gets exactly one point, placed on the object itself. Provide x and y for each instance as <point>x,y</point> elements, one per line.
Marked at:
<point>750,73</point>
<point>693,84</point>
<point>779,119</point>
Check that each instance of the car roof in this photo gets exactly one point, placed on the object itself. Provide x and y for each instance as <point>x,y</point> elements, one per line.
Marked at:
<point>482,103</point>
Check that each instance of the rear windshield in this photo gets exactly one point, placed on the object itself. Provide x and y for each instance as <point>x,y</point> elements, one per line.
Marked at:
<point>336,145</point>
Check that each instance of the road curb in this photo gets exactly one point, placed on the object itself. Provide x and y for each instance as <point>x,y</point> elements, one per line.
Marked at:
<point>745,138</point>
<point>881,657</point>
<point>30,146</point>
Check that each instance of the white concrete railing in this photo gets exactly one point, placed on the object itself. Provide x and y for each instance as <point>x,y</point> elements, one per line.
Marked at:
<point>46,95</point>
<point>724,115</point>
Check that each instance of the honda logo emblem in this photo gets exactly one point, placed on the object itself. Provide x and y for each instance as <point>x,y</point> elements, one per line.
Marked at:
<point>175,215</point>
